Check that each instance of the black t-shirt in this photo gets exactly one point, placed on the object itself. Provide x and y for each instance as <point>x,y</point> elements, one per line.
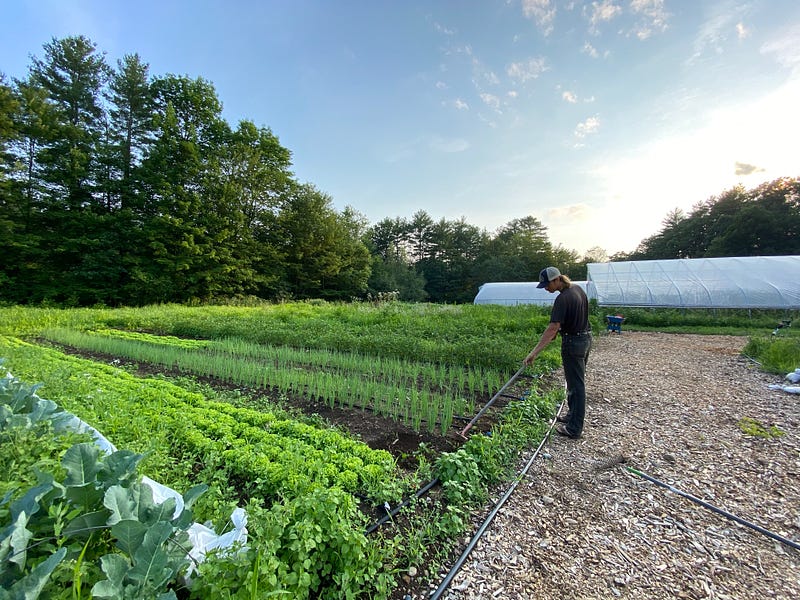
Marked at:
<point>571,309</point>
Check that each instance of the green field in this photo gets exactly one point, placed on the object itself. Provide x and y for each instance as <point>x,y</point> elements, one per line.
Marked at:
<point>209,395</point>
<point>225,404</point>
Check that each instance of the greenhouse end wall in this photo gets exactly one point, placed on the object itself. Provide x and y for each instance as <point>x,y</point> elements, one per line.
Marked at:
<point>770,282</point>
<point>512,293</point>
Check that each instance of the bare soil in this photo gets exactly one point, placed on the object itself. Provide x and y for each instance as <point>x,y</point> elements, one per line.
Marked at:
<point>581,525</point>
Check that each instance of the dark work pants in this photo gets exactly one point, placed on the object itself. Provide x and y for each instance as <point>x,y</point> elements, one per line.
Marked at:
<point>574,356</point>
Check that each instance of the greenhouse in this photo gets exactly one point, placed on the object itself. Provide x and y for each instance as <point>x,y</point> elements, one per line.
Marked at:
<point>520,292</point>
<point>771,282</point>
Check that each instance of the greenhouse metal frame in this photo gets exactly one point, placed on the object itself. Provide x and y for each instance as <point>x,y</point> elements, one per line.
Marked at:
<point>768,282</point>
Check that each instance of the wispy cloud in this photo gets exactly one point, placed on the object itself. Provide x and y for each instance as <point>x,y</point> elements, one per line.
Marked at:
<point>590,50</point>
<point>601,12</point>
<point>491,101</point>
<point>410,149</point>
<point>570,97</point>
<point>571,213</point>
<point>523,71</point>
<point>645,18</point>
<point>442,29</point>
<point>741,168</point>
<point>448,146</point>
<point>653,17</point>
<point>717,29</point>
<point>460,104</point>
<point>543,12</point>
<point>587,127</point>
<point>482,74</point>
<point>741,31</point>
<point>785,47</point>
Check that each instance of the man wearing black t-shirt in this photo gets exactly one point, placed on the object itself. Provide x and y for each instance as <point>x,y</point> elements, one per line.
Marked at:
<point>570,316</point>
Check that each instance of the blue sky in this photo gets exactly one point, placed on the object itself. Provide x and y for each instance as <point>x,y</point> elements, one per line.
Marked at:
<point>597,118</point>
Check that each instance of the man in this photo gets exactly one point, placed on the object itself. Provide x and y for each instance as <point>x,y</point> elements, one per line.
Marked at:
<point>570,316</point>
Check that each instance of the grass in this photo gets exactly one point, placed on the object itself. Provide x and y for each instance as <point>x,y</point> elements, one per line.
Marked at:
<point>716,321</point>
<point>750,426</point>
<point>779,354</point>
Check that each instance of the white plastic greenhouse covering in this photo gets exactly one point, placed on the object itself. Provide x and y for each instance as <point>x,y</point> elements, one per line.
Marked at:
<point>730,282</point>
<point>520,292</point>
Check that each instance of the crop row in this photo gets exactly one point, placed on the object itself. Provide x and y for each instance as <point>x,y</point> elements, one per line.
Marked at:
<point>271,456</point>
<point>495,338</point>
<point>404,373</point>
<point>492,337</point>
<point>168,340</point>
<point>336,379</point>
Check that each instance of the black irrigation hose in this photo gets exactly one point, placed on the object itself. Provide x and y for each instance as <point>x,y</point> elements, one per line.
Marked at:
<point>482,529</point>
<point>719,511</point>
<point>490,402</point>
<point>426,488</point>
<point>421,492</point>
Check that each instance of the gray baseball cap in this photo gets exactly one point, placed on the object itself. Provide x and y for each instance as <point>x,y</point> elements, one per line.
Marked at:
<point>547,275</point>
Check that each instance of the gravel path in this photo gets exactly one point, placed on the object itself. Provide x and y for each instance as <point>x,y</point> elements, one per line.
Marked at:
<point>580,525</point>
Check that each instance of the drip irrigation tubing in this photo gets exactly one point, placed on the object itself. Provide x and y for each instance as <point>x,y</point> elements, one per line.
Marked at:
<point>713,508</point>
<point>393,512</point>
<point>427,487</point>
<point>482,529</point>
<point>490,402</point>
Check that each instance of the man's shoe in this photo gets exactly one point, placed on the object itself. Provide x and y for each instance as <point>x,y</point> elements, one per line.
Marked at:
<point>563,418</point>
<point>562,430</point>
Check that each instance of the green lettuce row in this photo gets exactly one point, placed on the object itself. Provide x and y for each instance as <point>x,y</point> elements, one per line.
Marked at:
<point>268,462</point>
<point>167,340</point>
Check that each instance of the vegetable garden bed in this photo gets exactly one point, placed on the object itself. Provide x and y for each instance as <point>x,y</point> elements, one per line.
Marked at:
<point>227,416</point>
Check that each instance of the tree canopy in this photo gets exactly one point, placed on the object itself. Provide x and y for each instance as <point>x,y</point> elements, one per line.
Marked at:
<point>764,221</point>
<point>121,187</point>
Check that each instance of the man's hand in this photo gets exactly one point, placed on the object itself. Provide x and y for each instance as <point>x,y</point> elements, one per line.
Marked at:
<point>548,336</point>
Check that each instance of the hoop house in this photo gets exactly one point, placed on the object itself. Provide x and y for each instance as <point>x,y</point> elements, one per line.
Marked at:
<point>730,282</point>
<point>520,292</point>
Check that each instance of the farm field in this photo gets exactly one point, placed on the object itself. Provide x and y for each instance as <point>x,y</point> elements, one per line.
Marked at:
<point>334,427</point>
<point>316,418</point>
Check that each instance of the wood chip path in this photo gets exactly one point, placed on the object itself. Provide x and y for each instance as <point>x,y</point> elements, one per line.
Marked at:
<point>580,525</point>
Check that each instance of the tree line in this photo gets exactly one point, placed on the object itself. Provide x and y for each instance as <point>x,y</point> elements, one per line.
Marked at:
<point>122,188</point>
<point>119,187</point>
<point>763,221</point>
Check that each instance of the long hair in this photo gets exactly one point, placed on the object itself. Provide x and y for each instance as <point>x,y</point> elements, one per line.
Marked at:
<point>565,280</point>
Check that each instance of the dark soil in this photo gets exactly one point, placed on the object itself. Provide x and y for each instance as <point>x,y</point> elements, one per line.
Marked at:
<point>378,432</point>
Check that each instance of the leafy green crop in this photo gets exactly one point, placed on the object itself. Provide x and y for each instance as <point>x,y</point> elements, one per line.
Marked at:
<point>96,524</point>
<point>299,481</point>
<point>270,456</point>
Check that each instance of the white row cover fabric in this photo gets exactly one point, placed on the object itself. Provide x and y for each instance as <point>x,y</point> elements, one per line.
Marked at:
<point>728,282</point>
<point>202,538</point>
<point>513,293</point>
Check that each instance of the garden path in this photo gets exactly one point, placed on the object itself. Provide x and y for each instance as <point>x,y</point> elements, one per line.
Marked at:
<point>580,525</point>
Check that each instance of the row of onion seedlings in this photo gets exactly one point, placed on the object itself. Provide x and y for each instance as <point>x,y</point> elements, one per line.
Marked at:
<point>402,390</point>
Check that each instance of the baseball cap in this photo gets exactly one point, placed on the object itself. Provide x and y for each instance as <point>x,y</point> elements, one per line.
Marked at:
<point>547,275</point>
